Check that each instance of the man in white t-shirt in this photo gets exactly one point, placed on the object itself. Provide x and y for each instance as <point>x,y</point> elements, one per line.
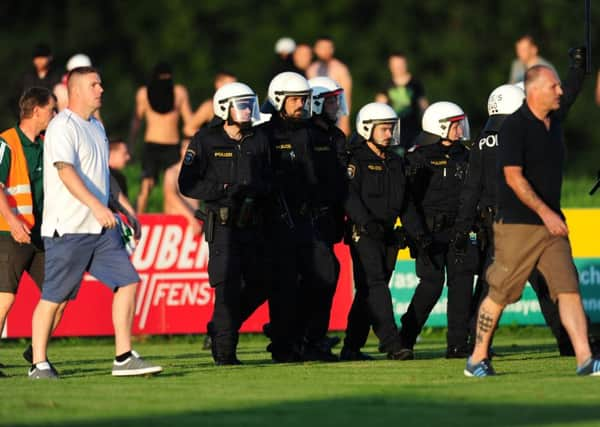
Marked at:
<point>79,229</point>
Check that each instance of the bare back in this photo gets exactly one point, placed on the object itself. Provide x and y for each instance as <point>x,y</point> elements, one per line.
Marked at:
<point>163,128</point>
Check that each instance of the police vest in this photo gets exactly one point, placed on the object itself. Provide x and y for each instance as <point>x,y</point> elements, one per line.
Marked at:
<point>17,185</point>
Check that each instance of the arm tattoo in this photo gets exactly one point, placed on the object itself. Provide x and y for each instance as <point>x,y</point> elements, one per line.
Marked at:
<point>62,165</point>
<point>485,324</point>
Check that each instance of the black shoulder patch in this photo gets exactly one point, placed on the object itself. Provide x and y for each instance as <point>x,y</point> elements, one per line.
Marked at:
<point>189,157</point>
<point>351,171</point>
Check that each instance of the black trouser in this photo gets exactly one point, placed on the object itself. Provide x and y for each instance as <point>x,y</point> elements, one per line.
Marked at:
<point>316,295</point>
<point>441,263</point>
<point>373,263</point>
<point>299,254</point>
<point>236,256</point>
<point>548,307</point>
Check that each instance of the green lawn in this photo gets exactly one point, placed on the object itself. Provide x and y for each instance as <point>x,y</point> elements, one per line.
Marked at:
<point>535,387</point>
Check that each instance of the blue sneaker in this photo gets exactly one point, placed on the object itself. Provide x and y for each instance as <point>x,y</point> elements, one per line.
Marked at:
<point>591,367</point>
<point>481,369</point>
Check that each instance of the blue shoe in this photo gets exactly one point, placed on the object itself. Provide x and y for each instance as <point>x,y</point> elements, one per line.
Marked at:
<point>481,369</point>
<point>591,367</point>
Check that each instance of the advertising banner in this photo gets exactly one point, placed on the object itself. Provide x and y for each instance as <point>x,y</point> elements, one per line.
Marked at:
<point>584,234</point>
<point>175,297</point>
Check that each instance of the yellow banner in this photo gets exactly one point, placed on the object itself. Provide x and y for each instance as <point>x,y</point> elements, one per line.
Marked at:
<point>584,233</point>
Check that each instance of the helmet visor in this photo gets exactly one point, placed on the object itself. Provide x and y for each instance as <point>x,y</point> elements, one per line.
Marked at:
<point>331,104</point>
<point>245,110</point>
<point>386,132</point>
<point>297,105</point>
<point>459,129</point>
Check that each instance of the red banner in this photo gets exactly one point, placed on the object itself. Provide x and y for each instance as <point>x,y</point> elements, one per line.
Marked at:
<point>174,296</point>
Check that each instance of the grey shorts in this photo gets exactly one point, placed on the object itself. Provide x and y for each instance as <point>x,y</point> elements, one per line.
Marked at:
<point>16,259</point>
<point>71,255</point>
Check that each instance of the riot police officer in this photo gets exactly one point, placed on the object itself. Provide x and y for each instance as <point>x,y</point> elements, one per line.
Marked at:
<point>437,167</point>
<point>227,165</point>
<point>298,249</point>
<point>377,195</point>
<point>328,105</point>
<point>478,208</point>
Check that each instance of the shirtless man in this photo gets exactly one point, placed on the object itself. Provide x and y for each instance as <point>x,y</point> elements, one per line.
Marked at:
<point>328,66</point>
<point>204,113</point>
<point>161,103</point>
<point>302,58</point>
<point>175,203</point>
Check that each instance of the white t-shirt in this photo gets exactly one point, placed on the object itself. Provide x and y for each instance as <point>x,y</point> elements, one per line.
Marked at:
<point>83,144</point>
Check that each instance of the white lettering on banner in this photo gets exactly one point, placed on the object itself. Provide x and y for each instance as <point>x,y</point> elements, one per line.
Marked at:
<point>144,256</point>
<point>590,276</point>
<point>591,304</point>
<point>182,293</point>
<point>176,289</point>
<point>164,247</point>
<point>169,248</point>
<point>178,250</point>
<point>404,281</point>
<point>525,307</point>
<point>189,245</point>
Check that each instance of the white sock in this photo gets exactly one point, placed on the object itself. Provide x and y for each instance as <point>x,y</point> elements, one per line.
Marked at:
<point>44,366</point>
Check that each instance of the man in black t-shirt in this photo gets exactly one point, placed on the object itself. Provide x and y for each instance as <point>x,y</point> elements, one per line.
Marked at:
<point>530,230</point>
<point>41,73</point>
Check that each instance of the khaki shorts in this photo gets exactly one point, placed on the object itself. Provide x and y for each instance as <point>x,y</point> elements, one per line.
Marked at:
<point>518,249</point>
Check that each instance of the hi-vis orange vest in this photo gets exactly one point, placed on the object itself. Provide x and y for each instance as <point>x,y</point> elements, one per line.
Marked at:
<point>17,185</point>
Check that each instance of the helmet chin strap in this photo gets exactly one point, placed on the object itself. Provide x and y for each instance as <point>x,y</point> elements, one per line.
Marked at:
<point>243,126</point>
<point>384,149</point>
<point>325,117</point>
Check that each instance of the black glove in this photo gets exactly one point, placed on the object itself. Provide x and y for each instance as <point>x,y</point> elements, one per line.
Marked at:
<point>424,242</point>
<point>374,230</point>
<point>238,191</point>
<point>400,238</point>
<point>577,57</point>
<point>460,241</point>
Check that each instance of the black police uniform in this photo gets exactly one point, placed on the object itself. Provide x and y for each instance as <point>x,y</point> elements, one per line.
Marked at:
<point>477,211</point>
<point>377,196</point>
<point>233,178</point>
<point>298,250</point>
<point>316,297</point>
<point>436,174</point>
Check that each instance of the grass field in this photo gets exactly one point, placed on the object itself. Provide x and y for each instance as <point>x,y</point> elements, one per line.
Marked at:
<point>535,387</point>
